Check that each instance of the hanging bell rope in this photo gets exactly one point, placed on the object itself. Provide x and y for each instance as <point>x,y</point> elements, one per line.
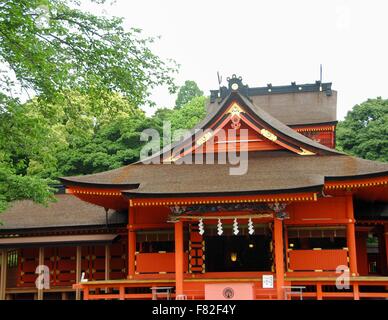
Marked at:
<point>235,227</point>
<point>219,227</point>
<point>201,227</point>
<point>251,229</point>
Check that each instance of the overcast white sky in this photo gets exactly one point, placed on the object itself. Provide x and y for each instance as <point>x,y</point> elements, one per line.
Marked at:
<point>268,42</point>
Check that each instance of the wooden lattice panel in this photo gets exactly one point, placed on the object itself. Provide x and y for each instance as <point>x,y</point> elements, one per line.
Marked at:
<point>27,263</point>
<point>97,262</point>
<point>62,264</point>
<point>197,251</point>
<point>28,260</point>
<point>49,261</point>
<point>85,262</point>
<point>118,260</point>
<point>65,266</point>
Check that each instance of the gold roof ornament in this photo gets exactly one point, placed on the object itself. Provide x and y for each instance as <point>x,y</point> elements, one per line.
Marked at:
<point>305,152</point>
<point>269,135</point>
<point>208,135</point>
<point>235,109</point>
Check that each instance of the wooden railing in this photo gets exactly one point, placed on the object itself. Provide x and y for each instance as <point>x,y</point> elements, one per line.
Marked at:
<point>141,289</point>
<point>316,288</point>
<point>317,259</point>
<point>260,294</point>
<point>121,289</point>
<point>359,288</point>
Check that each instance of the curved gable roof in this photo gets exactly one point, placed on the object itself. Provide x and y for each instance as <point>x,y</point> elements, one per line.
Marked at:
<point>268,171</point>
<point>66,211</point>
<point>258,114</point>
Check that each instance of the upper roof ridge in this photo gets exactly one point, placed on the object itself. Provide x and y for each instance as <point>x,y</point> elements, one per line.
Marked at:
<point>236,84</point>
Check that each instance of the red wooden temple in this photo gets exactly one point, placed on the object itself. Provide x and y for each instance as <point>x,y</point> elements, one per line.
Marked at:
<point>194,230</point>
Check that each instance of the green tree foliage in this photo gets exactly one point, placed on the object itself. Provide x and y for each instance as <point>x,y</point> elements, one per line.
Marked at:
<point>189,115</point>
<point>16,187</point>
<point>26,142</point>
<point>364,132</point>
<point>51,46</point>
<point>187,92</point>
<point>84,71</point>
<point>117,143</point>
<point>112,145</point>
<point>181,120</point>
<point>82,128</point>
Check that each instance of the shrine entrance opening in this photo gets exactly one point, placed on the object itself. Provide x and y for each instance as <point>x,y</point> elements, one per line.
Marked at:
<point>232,253</point>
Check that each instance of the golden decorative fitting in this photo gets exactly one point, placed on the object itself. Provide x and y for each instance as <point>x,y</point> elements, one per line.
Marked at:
<point>171,159</point>
<point>208,135</point>
<point>305,152</point>
<point>235,109</point>
<point>269,135</point>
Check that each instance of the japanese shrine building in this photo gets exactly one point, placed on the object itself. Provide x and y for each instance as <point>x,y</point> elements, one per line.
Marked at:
<point>297,213</point>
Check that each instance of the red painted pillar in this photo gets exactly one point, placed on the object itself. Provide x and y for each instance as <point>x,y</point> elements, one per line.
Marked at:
<point>131,243</point>
<point>386,243</point>
<point>3,272</point>
<point>356,291</point>
<point>279,257</point>
<point>179,258</point>
<point>319,291</point>
<point>122,293</point>
<point>86,293</point>
<point>351,236</point>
